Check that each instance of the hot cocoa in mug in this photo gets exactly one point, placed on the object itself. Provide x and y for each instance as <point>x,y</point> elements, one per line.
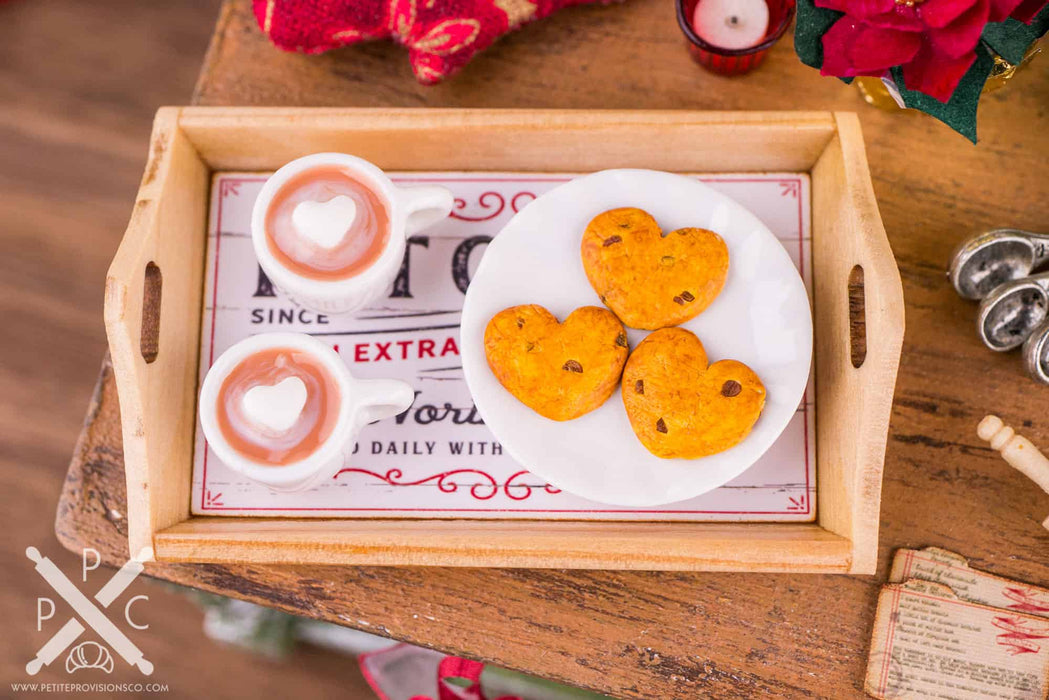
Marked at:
<point>284,410</point>
<point>330,229</point>
<point>277,406</point>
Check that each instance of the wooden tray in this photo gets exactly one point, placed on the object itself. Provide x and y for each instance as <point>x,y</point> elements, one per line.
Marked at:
<point>153,306</point>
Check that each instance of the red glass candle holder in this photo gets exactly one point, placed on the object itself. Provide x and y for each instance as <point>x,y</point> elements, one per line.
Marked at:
<point>733,61</point>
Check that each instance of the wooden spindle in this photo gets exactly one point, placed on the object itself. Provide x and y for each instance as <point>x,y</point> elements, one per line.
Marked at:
<point>1017,450</point>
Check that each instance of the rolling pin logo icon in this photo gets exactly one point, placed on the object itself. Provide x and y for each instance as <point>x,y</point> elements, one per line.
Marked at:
<point>89,613</point>
<point>1017,450</point>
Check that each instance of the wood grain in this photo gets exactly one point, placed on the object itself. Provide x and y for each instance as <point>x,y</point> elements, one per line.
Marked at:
<point>165,231</point>
<point>550,545</point>
<point>520,140</point>
<point>648,635</point>
<point>852,402</point>
<point>158,396</point>
<point>79,84</point>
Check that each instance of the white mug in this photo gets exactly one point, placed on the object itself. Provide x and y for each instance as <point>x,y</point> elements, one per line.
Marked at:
<point>361,401</point>
<point>410,209</point>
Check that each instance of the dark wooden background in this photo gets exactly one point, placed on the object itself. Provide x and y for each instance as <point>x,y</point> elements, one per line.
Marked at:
<point>79,82</point>
<point>648,635</point>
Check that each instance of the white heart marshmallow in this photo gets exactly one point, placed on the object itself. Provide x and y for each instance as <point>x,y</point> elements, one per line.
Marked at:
<point>277,407</point>
<point>325,223</point>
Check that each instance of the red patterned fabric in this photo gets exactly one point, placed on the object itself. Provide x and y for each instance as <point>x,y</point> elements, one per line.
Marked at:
<point>441,35</point>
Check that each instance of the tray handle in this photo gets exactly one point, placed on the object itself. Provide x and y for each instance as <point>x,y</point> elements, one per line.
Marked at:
<point>860,324</point>
<point>872,285</point>
<point>857,317</point>
<point>152,315</point>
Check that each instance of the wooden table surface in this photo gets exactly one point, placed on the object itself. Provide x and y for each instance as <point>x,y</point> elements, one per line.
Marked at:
<point>649,635</point>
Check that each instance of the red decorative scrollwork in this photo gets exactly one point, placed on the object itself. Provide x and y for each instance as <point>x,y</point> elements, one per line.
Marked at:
<point>517,207</point>
<point>393,476</point>
<point>482,491</point>
<point>490,205</point>
<point>484,202</point>
<point>522,495</point>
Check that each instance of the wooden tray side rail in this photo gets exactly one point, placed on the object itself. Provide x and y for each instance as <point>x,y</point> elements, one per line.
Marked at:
<point>152,315</point>
<point>158,398</point>
<point>516,140</point>
<point>854,403</point>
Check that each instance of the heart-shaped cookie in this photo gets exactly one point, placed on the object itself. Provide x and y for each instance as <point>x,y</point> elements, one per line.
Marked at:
<point>680,407</point>
<point>651,280</point>
<point>559,370</point>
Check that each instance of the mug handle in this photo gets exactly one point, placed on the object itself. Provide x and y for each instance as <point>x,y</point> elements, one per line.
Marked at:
<point>382,398</point>
<point>425,205</point>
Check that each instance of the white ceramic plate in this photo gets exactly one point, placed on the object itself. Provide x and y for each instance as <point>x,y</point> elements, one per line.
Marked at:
<point>761,318</point>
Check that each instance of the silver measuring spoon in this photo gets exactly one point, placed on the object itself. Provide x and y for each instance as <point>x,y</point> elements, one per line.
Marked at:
<point>1009,314</point>
<point>989,259</point>
<point>1036,353</point>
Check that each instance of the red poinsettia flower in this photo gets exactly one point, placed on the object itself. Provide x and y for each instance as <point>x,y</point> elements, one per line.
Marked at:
<point>933,40</point>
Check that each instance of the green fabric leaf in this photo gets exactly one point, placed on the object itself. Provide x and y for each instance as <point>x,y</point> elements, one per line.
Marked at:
<point>811,24</point>
<point>1010,39</point>
<point>960,112</point>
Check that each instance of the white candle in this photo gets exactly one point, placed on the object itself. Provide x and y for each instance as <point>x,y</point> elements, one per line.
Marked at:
<point>731,24</point>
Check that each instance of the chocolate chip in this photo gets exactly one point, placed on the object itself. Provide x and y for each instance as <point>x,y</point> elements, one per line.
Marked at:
<point>612,240</point>
<point>687,296</point>
<point>529,347</point>
<point>731,388</point>
<point>624,224</point>
<point>639,386</point>
<point>679,300</point>
<point>661,426</point>
<point>520,322</point>
<point>572,366</point>
<point>621,340</point>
